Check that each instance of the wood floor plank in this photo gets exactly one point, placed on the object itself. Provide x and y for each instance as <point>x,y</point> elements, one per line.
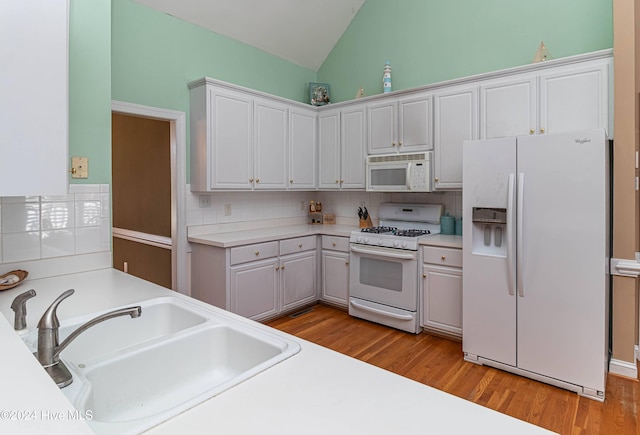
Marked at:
<point>438,362</point>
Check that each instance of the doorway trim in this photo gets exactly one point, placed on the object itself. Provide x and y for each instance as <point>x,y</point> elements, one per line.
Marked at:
<point>178,150</point>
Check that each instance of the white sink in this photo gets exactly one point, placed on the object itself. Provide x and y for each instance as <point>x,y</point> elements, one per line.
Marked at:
<point>134,374</point>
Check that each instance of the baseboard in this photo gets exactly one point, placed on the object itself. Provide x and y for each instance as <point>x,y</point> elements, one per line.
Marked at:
<point>623,368</point>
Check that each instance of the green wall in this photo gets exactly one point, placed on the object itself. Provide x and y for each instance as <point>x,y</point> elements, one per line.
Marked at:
<point>428,41</point>
<point>90,87</point>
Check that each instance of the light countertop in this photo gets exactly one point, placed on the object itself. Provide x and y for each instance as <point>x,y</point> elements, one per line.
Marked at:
<point>317,391</point>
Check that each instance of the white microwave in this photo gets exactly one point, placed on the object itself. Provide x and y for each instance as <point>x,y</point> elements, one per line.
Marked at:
<point>400,172</point>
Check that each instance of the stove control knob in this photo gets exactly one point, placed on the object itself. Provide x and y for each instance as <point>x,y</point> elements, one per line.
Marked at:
<point>404,244</point>
<point>396,243</point>
<point>359,239</point>
<point>366,239</point>
<point>380,242</point>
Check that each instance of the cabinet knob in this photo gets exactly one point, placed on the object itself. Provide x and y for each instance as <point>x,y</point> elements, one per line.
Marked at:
<point>346,262</point>
<point>300,245</point>
<point>282,267</point>
<point>257,180</point>
<point>333,244</point>
<point>341,181</point>
<point>443,258</point>
<point>337,181</point>
<point>532,131</point>
<point>277,267</point>
<point>435,179</point>
<point>424,275</point>
<point>393,144</point>
<point>399,144</point>
<point>257,252</point>
<point>250,180</point>
<point>542,130</point>
<point>291,181</point>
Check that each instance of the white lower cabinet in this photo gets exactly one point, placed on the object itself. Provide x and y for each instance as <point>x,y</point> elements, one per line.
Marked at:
<point>442,290</point>
<point>335,270</point>
<point>258,281</point>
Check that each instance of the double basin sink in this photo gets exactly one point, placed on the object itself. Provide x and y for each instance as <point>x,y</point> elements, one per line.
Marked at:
<point>132,374</point>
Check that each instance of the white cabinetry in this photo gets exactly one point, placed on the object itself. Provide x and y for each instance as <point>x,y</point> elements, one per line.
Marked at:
<point>33,113</point>
<point>244,140</point>
<point>335,270</point>
<point>302,149</point>
<point>257,281</point>
<point>456,120</point>
<point>400,125</point>
<point>555,100</point>
<point>341,143</point>
<point>442,290</point>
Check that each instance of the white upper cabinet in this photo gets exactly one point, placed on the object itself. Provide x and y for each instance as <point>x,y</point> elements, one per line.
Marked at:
<point>554,100</point>
<point>271,145</point>
<point>34,118</point>
<point>509,107</point>
<point>456,120</point>
<point>574,98</point>
<point>341,143</point>
<point>302,149</point>
<point>400,125</point>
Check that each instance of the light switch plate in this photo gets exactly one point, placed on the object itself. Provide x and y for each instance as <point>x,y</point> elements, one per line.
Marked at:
<point>79,167</point>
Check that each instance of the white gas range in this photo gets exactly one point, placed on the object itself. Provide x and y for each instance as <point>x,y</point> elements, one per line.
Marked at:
<point>383,283</point>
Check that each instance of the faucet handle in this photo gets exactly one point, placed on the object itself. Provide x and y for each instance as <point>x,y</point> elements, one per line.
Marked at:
<point>19,306</point>
<point>49,319</point>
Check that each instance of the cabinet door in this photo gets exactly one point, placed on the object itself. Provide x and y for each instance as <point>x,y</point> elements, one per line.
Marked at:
<point>335,277</point>
<point>574,99</point>
<point>231,139</point>
<point>298,272</point>
<point>302,149</point>
<point>456,120</point>
<point>254,289</point>
<point>352,155</point>
<point>442,299</point>
<point>508,107</point>
<point>415,131</point>
<point>382,128</point>
<point>33,97</point>
<point>329,149</point>
<point>271,140</point>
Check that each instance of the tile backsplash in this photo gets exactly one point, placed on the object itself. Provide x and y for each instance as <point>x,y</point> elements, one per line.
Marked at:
<point>229,207</point>
<point>42,227</point>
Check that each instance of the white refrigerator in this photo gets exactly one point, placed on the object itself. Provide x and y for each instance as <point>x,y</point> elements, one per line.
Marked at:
<point>536,218</point>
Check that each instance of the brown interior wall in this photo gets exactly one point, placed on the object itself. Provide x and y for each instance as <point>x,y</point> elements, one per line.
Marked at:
<point>141,162</point>
<point>144,261</point>
<point>625,198</point>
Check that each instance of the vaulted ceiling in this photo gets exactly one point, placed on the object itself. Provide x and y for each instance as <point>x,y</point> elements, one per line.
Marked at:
<point>301,31</point>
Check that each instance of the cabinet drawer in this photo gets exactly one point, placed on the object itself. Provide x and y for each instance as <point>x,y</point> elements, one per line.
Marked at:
<point>335,243</point>
<point>444,256</point>
<point>299,244</point>
<point>243,254</point>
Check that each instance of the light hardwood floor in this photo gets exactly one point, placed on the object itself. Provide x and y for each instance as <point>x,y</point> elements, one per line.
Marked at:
<point>438,362</point>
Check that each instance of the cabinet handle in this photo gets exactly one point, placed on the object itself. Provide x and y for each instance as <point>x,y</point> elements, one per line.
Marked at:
<point>300,245</point>
<point>542,130</point>
<point>257,252</point>
<point>532,131</point>
<point>443,258</point>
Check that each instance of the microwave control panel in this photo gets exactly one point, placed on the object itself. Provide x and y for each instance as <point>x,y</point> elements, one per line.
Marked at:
<point>419,180</point>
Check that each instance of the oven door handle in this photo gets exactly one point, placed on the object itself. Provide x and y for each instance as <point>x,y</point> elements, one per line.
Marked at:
<point>384,313</point>
<point>388,254</point>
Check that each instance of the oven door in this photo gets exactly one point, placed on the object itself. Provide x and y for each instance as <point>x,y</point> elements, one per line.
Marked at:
<point>384,275</point>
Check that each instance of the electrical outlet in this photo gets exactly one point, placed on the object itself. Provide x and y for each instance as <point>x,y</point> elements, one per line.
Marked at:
<point>79,167</point>
<point>205,201</point>
<point>227,209</point>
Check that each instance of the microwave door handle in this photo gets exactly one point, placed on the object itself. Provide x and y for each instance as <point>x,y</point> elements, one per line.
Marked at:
<point>408,180</point>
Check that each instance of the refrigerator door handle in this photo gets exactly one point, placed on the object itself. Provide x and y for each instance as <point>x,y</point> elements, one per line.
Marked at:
<point>510,239</point>
<point>520,239</point>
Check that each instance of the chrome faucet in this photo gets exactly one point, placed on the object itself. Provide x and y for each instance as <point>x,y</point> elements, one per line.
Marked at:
<point>48,352</point>
<point>19,306</point>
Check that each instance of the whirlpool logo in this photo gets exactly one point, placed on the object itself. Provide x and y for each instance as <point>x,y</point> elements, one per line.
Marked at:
<point>581,141</point>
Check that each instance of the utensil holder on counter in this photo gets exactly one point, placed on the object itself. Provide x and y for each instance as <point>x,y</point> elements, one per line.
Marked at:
<point>365,223</point>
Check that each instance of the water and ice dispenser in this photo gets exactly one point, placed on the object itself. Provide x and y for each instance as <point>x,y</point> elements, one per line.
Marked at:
<point>489,231</point>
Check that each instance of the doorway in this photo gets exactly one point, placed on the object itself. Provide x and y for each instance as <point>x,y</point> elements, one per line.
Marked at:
<point>148,194</point>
